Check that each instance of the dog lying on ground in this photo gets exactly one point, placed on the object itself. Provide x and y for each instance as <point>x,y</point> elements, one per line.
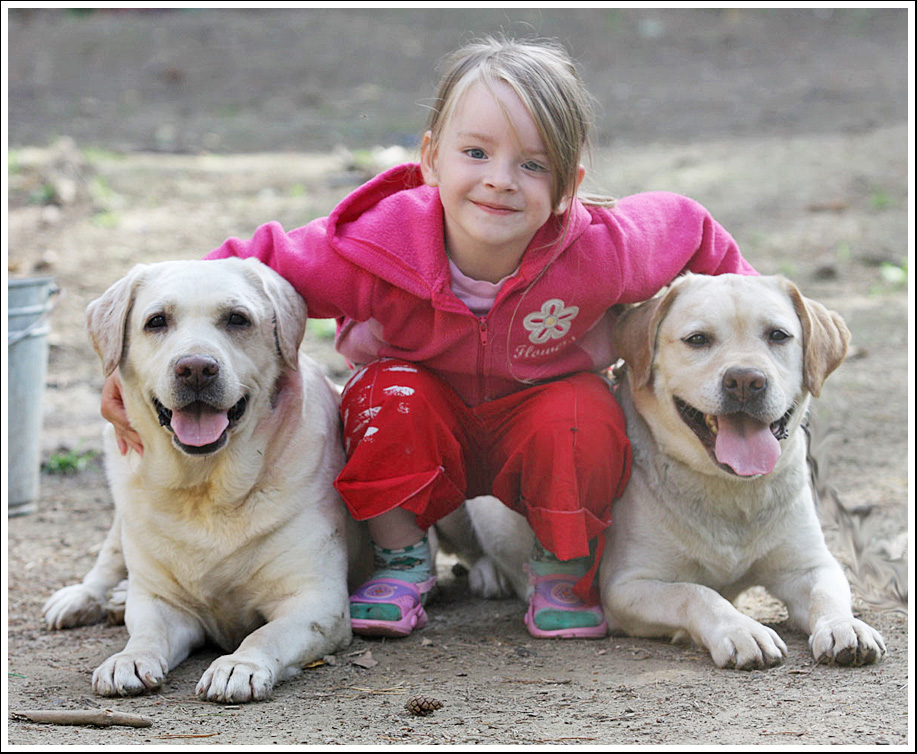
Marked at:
<point>228,526</point>
<point>719,374</point>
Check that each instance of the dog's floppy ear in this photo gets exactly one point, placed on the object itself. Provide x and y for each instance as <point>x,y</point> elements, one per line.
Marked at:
<point>635,335</point>
<point>825,338</point>
<point>289,311</point>
<point>106,318</point>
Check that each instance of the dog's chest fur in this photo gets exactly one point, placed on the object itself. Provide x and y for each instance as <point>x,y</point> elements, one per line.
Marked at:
<point>217,563</point>
<point>717,530</point>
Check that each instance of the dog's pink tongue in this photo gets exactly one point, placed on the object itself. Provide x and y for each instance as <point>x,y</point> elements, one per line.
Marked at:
<point>199,425</point>
<point>746,445</point>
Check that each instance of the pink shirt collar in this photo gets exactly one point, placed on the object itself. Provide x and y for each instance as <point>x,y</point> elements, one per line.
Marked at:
<point>477,295</point>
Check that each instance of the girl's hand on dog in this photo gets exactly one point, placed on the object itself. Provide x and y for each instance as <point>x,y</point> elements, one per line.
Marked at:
<point>113,410</point>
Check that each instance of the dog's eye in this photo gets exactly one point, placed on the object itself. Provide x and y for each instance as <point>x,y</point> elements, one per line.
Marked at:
<point>779,336</point>
<point>238,320</point>
<point>698,340</point>
<point>156,322</point>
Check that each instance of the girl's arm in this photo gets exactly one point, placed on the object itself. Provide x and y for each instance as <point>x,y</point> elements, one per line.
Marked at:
<point>660,235</point>
<point>331,286</point>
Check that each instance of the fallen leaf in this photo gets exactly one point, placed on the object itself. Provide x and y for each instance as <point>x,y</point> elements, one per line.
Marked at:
<point>365,660</point>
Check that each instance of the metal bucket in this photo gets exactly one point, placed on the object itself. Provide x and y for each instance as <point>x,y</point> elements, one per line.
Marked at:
<point>30,303</point>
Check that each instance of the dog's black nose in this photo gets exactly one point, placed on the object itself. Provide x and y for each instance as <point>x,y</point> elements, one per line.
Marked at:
<point>744,384</point>
<point>196,371</point>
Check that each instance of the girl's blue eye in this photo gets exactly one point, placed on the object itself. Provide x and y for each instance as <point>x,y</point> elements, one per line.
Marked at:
<point>534,167</point>
<point>476,154</point>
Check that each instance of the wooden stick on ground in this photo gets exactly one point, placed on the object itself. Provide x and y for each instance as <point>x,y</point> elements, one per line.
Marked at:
<point>102,717</point>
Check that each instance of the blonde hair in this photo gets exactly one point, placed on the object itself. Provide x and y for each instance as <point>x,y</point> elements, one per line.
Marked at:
<point>545,78</point>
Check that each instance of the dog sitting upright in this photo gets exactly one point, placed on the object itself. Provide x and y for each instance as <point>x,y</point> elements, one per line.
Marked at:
<point>720,371</point>
<point>228,526</point>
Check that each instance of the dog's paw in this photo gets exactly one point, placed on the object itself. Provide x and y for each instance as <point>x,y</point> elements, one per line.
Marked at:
<point>746,645</point>
<point>846,641</point>
<point>129,674</point>
<point>230,679</point>
<point>487,581</point>
<point>74,605</point>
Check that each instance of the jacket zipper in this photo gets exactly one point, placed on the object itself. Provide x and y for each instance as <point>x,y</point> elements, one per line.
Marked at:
<point>483,338</point>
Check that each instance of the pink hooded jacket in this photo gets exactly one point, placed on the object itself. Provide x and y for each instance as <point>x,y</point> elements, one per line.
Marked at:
<point>378,265</point>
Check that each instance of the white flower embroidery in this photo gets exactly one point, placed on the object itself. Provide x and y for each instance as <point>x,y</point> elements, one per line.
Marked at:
<point>553,321</point>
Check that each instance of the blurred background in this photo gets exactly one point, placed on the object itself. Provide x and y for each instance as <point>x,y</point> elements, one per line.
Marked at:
<point>185,80</point>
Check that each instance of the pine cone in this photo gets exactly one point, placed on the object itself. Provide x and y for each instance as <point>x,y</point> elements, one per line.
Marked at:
<point>422,705</point>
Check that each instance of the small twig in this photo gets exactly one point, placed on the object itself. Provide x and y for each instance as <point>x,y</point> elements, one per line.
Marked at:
<point>187,735</point>
<point>103,717</point>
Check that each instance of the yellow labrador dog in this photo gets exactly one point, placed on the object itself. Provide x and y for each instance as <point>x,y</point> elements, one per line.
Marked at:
<point>228,526</point>
<point>720,371</point>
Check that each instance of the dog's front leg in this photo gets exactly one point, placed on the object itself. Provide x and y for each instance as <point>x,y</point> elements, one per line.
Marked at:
<point>298,631</point>
<point>645,607</point>
<point>84,603</point>
<point>506,540</point>
<point>161,636</point>
<point>818,602</point>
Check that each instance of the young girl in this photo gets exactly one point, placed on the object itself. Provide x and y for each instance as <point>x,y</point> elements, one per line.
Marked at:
<point>474,291</point>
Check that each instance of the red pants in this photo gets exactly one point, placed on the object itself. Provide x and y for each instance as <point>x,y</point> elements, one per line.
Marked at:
<point>557,453</point>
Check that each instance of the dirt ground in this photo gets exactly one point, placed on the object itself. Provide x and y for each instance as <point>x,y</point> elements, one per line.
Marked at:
<point>142,136</point>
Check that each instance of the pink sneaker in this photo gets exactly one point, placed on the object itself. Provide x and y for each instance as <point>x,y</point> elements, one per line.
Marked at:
<point>389,607</point>
<point>566,613</point>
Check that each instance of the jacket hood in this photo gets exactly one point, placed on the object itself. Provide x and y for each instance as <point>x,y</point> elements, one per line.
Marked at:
<point>393,226</point>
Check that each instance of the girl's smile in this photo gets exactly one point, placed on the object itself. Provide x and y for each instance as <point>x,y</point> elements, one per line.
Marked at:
<point>497,209</point>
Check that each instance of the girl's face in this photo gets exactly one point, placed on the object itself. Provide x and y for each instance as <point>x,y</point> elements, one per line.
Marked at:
<point>494,181</point>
